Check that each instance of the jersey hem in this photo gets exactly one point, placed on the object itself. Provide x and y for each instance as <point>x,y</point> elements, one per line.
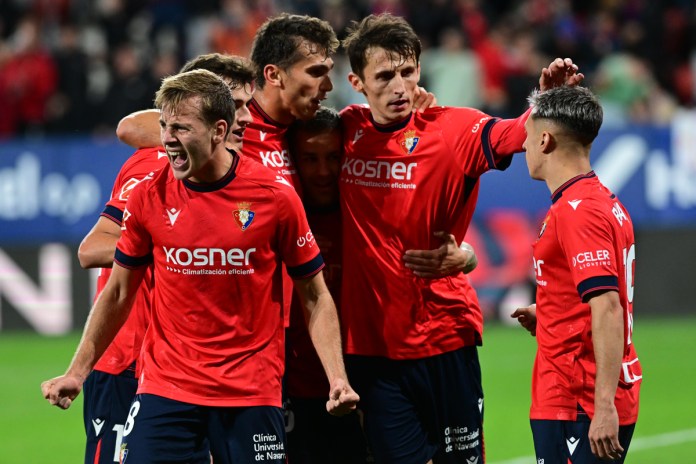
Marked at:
<point>184,397</point>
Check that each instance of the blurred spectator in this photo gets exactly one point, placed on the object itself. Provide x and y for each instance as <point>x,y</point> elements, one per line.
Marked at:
<point>28,79</point>
<point>452,71</point>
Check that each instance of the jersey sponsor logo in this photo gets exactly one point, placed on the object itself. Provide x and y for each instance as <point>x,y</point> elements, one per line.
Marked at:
<point>478,125</point>
<point>409,142</point>
<point>173,215</point>
<point>283,180</point>
<point>543,225</point>
<point>243,216</point>
<point>126,215</point>
<point>358,135</point>
<point>161,154</point>
<point>275,159</point>
<point>98,423</point>
<point>307,239</point>
<point>235,257</point>
<point>130,184</point>
<point>572,443</point>
<point>574,204</point>
<point>374,169</point>
<point>619,214</point>
<point>262,135</point>
<point>592,258</point>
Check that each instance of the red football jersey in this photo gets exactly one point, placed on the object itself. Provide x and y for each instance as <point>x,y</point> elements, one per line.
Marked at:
<point>125,348</point>
<point>265,141</point>
<point>216,335</point>
<point>304,374</point>
<point>400,184</point>
<point>586,244</point>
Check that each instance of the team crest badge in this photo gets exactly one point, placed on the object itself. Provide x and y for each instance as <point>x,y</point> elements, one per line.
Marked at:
<point>410,141</point>
<point>243,216</point>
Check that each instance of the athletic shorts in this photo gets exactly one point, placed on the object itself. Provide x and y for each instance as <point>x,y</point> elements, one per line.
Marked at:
<point>107,399</point>
<point>317,437</point>
<point>161,430</point>
<point>568,442</point>
<point>417,410</point>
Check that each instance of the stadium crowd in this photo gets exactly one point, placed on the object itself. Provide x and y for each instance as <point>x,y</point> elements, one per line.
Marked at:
<point>78,66</point>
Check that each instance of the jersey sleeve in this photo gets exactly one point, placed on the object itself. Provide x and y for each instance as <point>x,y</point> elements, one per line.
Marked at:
<point>484,142</point>
<point>587,239</point>
<point>134,247</point>
<point>298,247</point>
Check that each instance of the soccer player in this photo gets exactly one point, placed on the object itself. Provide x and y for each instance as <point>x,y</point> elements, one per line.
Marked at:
<point>586,378</point>
<point>313,436</point>
<point>412,342</point>
<point>111,386</point>
<point>216,226</point>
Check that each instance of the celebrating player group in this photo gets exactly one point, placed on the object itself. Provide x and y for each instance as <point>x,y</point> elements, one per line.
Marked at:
<point>285,283</point>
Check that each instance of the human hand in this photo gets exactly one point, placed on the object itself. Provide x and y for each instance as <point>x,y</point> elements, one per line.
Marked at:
<point>527,318</point>
<point>342,398</point>
<point>61,391</point>
<point>448,259</point>
<point>422,100</point>
<point>560,72</point>
<point>604,433</point>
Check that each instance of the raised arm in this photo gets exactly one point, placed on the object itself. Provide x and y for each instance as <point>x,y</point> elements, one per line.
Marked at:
<point>608,341</point>
<point>322,324</point>
<point>140,129</point>
<point>108,314</point>
<point>448,259</point>
<point>98,247</point>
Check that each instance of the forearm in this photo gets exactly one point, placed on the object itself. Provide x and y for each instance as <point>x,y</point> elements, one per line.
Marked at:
<point>508,135</point>
<point>323,327</point>
<point>607,337</point>
<point>140,129</point>
<point>97,252</point>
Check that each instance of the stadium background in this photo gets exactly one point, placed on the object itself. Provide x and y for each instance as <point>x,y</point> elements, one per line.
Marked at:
<point>70,69</point>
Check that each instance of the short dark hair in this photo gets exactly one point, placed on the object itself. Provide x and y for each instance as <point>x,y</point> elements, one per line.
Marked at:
<point>239,71</point>
<point>278,41</point>
<point>576,109</point>
<point>215,96</point>
<point>392,33</point>
<point>326,119</point>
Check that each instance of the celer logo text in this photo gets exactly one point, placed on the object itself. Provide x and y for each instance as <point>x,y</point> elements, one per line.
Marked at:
<point>374,169</point>
<point>590,258</point>
<point>208,256</point>
<point>276,159</point>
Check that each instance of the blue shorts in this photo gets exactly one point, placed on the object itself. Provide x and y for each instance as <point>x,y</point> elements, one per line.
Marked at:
<point>316,437</point>
<point>568,442</point>
<point>161,430</point>
<point>107,399</point>
<point>417,410</point>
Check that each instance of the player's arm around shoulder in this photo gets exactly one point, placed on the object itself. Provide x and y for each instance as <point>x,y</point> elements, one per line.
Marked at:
<point>140,129</point>
<point>98,246</point>
<point>322,324</point>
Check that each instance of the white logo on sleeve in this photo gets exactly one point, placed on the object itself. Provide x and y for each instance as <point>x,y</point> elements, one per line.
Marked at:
<point>574,204</point>
<point>262,135</point>
<point>572,443</point>
<point>98,424</point>
<point>619,214</point>
<point>283,180</point>
<point>161,154</point>
<point>173,214</point>
<point>358,135</point>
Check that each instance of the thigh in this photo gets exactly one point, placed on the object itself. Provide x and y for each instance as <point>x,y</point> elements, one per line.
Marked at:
<point>567,441</point>
<point>161,430</point>
<point>107,399</point>
<point>250,434</point>
<point>394,427</point>
<point>318,437</point>
<point>454,380</point>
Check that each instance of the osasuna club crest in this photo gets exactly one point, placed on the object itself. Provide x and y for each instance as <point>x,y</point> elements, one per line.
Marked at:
<point>243,216</point>
<point>410,141</point>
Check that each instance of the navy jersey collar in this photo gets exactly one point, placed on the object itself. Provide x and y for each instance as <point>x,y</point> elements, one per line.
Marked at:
<point>391,127</point>
<point>218,184</point>
<point>559,191</point>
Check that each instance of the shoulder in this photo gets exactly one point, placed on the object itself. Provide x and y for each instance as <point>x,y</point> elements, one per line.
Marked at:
<point>355,112</point>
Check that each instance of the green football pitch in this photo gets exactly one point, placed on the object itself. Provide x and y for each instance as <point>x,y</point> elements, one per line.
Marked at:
<point>33,432</point>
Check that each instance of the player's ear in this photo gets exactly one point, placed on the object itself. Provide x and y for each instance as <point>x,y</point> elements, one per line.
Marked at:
<point>356,82</point>
<point>548,142</point>
<point>272,73</point>
<point>220,131</point>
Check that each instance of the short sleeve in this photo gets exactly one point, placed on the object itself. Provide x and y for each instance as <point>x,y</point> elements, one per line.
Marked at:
<point>134,247</point>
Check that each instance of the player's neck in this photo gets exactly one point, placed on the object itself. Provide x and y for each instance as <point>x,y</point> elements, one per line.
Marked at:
<point>218,167</point>
<point>563,167</point>
<point>271,104</point>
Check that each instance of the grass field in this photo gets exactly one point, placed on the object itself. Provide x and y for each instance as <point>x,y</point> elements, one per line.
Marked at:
<point>32,432</point>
